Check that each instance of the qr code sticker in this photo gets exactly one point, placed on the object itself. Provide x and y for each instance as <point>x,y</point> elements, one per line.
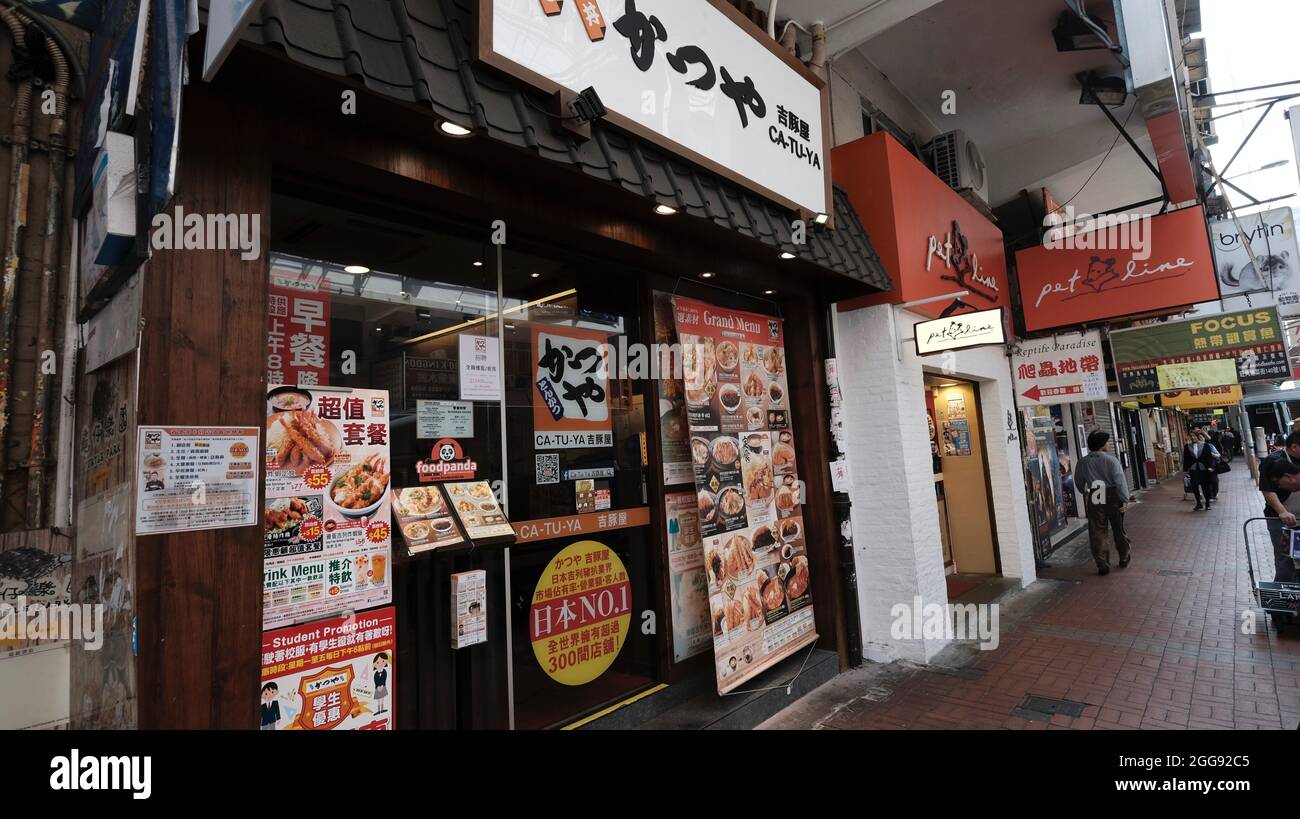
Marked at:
<point>548,468</point>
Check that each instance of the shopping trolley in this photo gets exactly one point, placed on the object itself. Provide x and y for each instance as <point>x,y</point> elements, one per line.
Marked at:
<point>1280,600</point>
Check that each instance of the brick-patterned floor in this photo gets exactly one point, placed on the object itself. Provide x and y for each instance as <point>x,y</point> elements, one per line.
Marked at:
<point>1158,645</point>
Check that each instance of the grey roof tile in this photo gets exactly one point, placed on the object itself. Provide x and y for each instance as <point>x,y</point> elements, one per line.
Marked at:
<point>419,51</point>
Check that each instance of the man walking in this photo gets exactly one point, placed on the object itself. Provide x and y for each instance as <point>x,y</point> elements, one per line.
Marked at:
<point>1199,458</point>
<point>1100,477</point>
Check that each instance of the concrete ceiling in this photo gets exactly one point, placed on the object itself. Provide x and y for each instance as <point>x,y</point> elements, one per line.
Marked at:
<point>1017,97</point>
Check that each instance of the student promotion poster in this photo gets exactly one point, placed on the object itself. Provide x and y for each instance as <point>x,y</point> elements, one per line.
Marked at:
<point>747,488</point>
<point>328,518</point>
<point>332,674</point>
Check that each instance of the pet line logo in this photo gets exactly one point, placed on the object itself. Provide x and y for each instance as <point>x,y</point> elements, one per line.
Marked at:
<point>447,462</point>
<point>581,612</point>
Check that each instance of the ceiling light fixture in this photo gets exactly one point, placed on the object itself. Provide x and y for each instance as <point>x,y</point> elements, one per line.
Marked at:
<point>707,275</point>
<point>665,210</point>
<point>1072,34</point>
<point>356,269</point>
<point>769,292</point>
<point>787,255</point>
<point>822,218</point>
<point>478,264</point>
<point>536,275</point>
<point>453,129</point>
<point>1109,91</point>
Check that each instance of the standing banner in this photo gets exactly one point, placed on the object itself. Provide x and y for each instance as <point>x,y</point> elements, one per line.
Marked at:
<point>1215,351</point>
<point>1059,370</point>
<point>328,515</point>
<point>747,488</point>
<point>333,674</point>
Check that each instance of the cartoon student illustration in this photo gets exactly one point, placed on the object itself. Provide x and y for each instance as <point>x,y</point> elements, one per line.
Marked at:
<point>381,680</point>
<point>270,707</point>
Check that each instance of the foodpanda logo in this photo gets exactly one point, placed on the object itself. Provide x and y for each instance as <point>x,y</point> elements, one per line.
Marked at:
<point>449,451</point>
<point>446,462</point>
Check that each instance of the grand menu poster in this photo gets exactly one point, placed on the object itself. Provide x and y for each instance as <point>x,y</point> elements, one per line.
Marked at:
<point>747,488</point>
<point>328,517</point>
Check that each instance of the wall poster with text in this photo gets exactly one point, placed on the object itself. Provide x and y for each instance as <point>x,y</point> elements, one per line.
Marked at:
<point>747,488</point>
<point>328,515</point>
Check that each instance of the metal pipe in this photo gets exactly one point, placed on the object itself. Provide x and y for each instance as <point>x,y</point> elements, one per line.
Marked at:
<point>818,61</point>
<point>51,249</point>
<point>19,177</point>
<point>771,18</point>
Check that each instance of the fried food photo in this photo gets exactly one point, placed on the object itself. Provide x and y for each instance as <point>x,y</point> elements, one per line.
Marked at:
<point>302,439</point>
<point>773,594</point>
<point>797,584</point>
<point>735,615</point>
<point>283,515</point>
<point>362,486</point>
<point>753,605</point>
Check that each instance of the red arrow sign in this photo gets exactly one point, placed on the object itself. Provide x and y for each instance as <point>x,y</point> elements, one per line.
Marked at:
<point>1033,393</point>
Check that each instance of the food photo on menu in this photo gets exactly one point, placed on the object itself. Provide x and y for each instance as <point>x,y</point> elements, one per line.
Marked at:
<point>425,521</point>
<point>475,505</point>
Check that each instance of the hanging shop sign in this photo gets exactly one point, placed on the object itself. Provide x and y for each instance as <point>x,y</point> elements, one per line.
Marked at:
<point>931,240</point>
<point>192,478</point>
<point>1059,369</point>
<point>723,94</point>
<point>297,337</point>
<point>1148,264</point>
<point>1202,398</point>
<point>747,488</point>
<point>227,20</point>
<point>424,519</point>
<point>480,368</point>
<point>330,675</point>
<point>1257,254</point>
<point>960,332</point>
<point>570,389</point>
<point>687,579</point>
<point>1173,351</point>
<point>327,449</point>
<point>580,613</point>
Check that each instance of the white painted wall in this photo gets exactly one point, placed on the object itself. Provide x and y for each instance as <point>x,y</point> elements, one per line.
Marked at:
<point>852,78</point>
<point>1122,180</point>
<point>896,535</point>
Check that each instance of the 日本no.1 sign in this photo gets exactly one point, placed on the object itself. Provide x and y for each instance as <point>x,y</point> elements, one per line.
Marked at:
<point>1059,370</point>
<point>695,77</point>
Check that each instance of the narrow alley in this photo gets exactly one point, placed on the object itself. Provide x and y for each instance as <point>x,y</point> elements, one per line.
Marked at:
<point>1159,645</point>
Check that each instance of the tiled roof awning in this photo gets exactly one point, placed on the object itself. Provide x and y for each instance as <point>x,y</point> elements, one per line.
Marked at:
<point>419,51</point>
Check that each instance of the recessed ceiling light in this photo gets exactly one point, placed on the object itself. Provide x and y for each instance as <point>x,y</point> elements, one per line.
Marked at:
<point>356,269</point>
<point>453,129</point>
<point>536,275</point>
<point>769,292</point>
<point>478,264</point>
<point>787,255</point>
<point>664,210</point>
<point>707,275</point>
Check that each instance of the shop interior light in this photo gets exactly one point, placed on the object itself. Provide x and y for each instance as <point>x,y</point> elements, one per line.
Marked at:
<point>769,292</point>
<point>478,264</point>
<point>483,320</point>
<point>356,269</point>
<point>453,129</point>
<point>535,275</point>
<point>707,275</point>
<point>664,210</point>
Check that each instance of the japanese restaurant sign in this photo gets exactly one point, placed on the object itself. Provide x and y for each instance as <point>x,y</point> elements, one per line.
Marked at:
<point>328,516</point>
<point>1218,350</point>
<point>1078,283</point>
<point>580,612</point>
<point>960,332</point>
<point>570,389</point>
<point>191,478</point>
<point>330,675</point>
<point>698,78</point>
<point>297,337</point>
<point>747,488</point>
<point>1060,369</point>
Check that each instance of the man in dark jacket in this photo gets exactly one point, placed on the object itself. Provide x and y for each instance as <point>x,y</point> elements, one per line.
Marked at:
<point>1100,477</point>
<point>1199,458</point>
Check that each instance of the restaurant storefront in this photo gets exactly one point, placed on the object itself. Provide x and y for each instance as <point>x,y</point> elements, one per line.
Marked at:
<point>500,487</point>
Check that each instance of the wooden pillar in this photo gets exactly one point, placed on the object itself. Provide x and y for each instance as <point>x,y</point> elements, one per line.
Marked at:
<point>198,594</point>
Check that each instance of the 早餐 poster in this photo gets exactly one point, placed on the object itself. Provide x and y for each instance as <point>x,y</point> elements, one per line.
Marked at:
<point>331,674</point>
<point>747,488</point>
<point>328,519</point>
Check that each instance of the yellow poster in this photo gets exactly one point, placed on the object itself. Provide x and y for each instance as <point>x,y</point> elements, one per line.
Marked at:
<point>581,612</point>
<point>1200,399</point>
<point>1197,374</point>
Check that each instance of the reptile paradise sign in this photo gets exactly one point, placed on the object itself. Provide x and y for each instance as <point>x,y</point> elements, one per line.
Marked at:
<point>1214,351</point>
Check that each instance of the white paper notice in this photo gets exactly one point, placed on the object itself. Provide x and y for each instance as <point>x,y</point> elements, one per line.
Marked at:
<point>444,419</point>
<point>191,478</point>
<point>480,368</point>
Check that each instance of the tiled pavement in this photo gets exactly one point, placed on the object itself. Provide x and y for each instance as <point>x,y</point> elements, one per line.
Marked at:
<point>1159,645</point>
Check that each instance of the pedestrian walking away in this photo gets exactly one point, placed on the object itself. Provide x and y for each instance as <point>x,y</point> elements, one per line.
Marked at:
<point>1100,477</point>
<point>1199,459</point>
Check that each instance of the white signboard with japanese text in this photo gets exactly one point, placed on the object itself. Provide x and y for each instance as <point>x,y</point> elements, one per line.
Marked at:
<point>480,368</point>
<point>1059,369</point>
<point>191,478</point>
<point>690,76</point>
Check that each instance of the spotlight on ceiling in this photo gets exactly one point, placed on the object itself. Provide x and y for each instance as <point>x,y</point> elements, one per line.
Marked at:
<point>453,129</point>
<point>1109,91</point>
<point>822,218</point>
<point>356,269</point>
<point>1072,34</point>
<point>587,106</point>
<point>665,210</point>
<point>707,275</point>
<point>478,264</point>
<point>787,255</point>
<point>769,292</point>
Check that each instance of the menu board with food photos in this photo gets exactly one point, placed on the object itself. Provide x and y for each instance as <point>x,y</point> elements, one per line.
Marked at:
<point>475,504</point>
<point>747,488</point>
<point>424,519</point>
<point>327,521</point>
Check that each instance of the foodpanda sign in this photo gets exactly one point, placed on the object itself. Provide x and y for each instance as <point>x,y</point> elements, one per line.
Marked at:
<point>447,462</point>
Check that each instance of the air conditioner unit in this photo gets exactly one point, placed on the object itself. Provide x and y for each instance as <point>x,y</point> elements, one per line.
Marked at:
<point>958,161</point>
